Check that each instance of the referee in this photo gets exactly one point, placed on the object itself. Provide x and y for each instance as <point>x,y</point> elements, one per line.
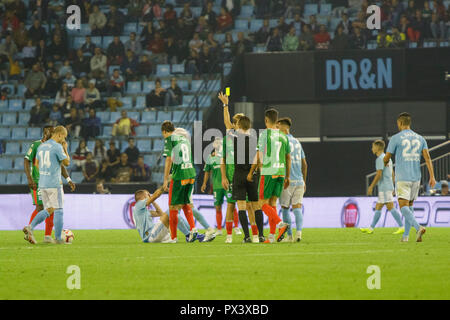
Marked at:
<point>245,143</point>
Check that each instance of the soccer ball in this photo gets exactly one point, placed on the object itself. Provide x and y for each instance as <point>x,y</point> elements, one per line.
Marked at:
<point>67,236</point>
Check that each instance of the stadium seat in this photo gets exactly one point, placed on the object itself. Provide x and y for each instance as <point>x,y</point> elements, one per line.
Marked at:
<point>241,25</point>
<point>24,118</point>
<point>165,83</point>
<point>195,85</point>
<point>150,159</point>
<point>3,104</point>
<point>246,11</point>
<point>29,103</point>
<point>187,100</point>
<point>127,102</point>
<point>148,117</point>
<point>197,11</point>
<point>33,133</point>
<point>77,176</point>
<point>25,146</point>
<point>144,145</point>
<point>158,144</point>
<point>5,163</point>
<point>154,130</point>
<point>443,44</point>
<point>259,49</point>
<point>205,101</point>
<point>325,9</point>
<point>183,84</point>
<point>134,87</point>
<point>114,117</point>
<point>9,86</point>
<point>141,130</point>
<point>178,68</point>
<point>18,163</point>
<point>219,37</point>
<point>9,119</point>
<point>5,133</point>
<point>227,68</point>
<point>163,70</point>
<point>163,115</point>
<point>97,41</point>
<point>78,42</point>
<point>19,133</point>
<point>13,178</point>
<point>255,24</point>
<point>104,116</point>
<point>140,102</point>
<point>90,145</point>
<point>130,27</point>
<point>273,23</point>
<point>148,86</point>
<point>177,115</point>
<point>107,131</point>
<point>214,85</point>
<point>15,105</point>
<point>21,90</point>
<point>134,115</point>
<point>106,41</point>
<point>310,9</point>
<point>2,178</point>
<point>73,145</point>
<point>112,68</point>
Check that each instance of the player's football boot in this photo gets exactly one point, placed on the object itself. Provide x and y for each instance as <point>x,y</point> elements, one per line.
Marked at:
<point>237,231</point>
<point>298,236</point>
<point>270,239</point>
<point>219,233</point>
<point>420,233</point>
<point>169,240</point>
<point>255,239</point>
<point>48,239</point>
<point>282,228</point>
<point>229,238</point>
<point>29,235</point>
<point>399,231</point>
<point>404,239</point>
<point>193,235</point>
<point>288,238</point>
<point>247,240</point>
<point>367,230</point>
<point>262,239</point>
<point>208,237</point>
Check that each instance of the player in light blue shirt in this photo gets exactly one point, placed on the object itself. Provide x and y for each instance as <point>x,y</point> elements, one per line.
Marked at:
<point>384,180</point>
<point>293,194</point>
<point>50,156</point>
<point>408,148</point>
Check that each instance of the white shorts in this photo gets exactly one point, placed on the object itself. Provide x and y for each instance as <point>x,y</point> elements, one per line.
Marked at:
<point>408,190</point>
<point>159,233</point>
<point>52,197</point>
<point>292,195</point>
<point>385,196</point>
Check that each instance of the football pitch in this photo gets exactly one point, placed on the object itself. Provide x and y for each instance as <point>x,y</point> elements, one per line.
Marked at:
<point>327,264</point>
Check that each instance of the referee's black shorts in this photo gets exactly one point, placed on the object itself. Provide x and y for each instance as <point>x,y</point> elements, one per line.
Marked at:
<point>243,189</point>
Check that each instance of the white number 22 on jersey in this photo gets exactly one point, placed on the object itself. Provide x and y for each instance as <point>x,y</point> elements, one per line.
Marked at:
<point>415,144</point>
<point>44,159</point>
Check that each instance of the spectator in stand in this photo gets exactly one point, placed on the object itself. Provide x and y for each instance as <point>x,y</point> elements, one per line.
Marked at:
<point>99,151</point>
<point>20,36</point>
<point>306,39</point>
<point>227,48</point>
<point>88,48</point>
<point>263,33</point>
<point>116,84</point>
<point>274,42</point>
<point>209,15</point>
<point>396,11</point>
<point>147,35</point>
<point>174,94</point>
<point>262,8</point>
<point>115,21</point>
<point>141,172</point>
<point>123,171</point>
<point>29,55</point>
<point>157,47</point>
<point>64,69</point>
<point>67,107</point>
<point>78,93</point>
<point>426,12</point>
<point>132,151</point>
<point>92,96</point>
<point>37,32</point>
<point>124,126</point>
<point>313,24</point>
<point>19,8</point>
<point>10,22</point>
<point>411,10</point>
<point>145,66</point>
<point>297,23</point>
<point>156,97</point>
<point>404,24</point>
<point>346,24</point>
<point>134,10</point>
<point>62,94</point>
<point>81,65</point>
<point>73,123</point>
<point>170,16</point>
<point>172,50</point>
<point>70,80</point>
<point>8,48</point>
<point>55,117</point>
<point>91,126</point>
<point>90,168</point>
<point>151,11</point>
<point>398,39</point>
<point>35,82</point>
<point>203,28</point>
<point>444,188</point>
<point>224,21</point>
<point>129,66</point>
<point>383,41</point>
<point>283,27</point>
<point>53,84</point>
<point>358,40</point>
<point>416,31</point>
<point>79,157</point>
<point>341,40</point>
<point>192,63</point>
<point>41,52</point>
<point>57,50</point>
<point>205,60</point>
<point>115,51</point>
<point>196,43</point>
<point>98,64</point>
<point>56,11</point>
<point>38,114</point>
<point>242,45</point>
<point>188,18</point>
<point>97,21</point>
<point>212,44</point>
<point>232,6</point>
<point>322,39</point>
<point>113,155</point>
<point>134,45</point>
<point>437,27</point>
<point>290,42</point>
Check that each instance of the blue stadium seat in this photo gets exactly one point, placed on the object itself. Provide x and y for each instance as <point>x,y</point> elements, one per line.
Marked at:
<point>443,44</point>
<point>148,86</point>
<point>33,133</point>
<point>5,133</point>
<point>29,103</point>
<point>227,68</point>
<point>130,27</point>
<point>413,44</point>
<point>73,145</point>
<point>21,90</point>
<point>273,23</point>
<point>162,70</point>
<point>2,178</point>
<point>183,84</point>
<point>5,163</point>
<point>154,130</point>
<point>259,49</point>
<point>150,159</point>
<point>3,104</point>
<point>9,86</point>
<point>134,87</point>
<point>196,11</point>
<point>178,68</point>
<point>246,11</point>
<point>165,83</point>
<point>134,115</point>
<point>112,68</point>
<point>255,24</point>
<point>193,116</point>
<point>148,117</point>
<point>18,163</point>
<point>78,42</point>
<point>24,118</point>
<point>107,130</point>
<point>214,85</point>
<point>9,119</point>
<point>15,105</point>
<point>127,102</point>
<point>140,102</point>
<point>97,41</point>
<point>25,146</point>
<point>104,116</point>
<point>310,9</point>
<point>241,25</point>
<point>325,9</point>
<point>158,144</point>
<point>13,178</point>
<point>195,85</point>
<point>162,116</point>
<point>205,101</point>
<point>219,37</point>
<point>123,145</point>
<point>177,115</point>
<point>77,176</point>
<point>114,117</point>
<point>141,130</point>
<point>426,44</point>
<point>106,41</point>
<point>19,133</point>
<point>90,145</point>
<point>187,100</point>
<point>144,145</point>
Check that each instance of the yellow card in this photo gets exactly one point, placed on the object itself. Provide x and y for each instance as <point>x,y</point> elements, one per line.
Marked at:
<point>227,91</point>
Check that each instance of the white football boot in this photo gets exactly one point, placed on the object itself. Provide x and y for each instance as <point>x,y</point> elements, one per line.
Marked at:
<point>255,239</point>
<point>237,231</point>
<point>29,234</point>
<point>298,236</point>
<point>229,238</point>
<point>48,239</point>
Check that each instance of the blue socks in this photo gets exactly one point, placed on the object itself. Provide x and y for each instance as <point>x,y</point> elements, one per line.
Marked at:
<point>200,218</point>
<point>298,213</point>
<point>375,219</point>
<point>408,213</point>
<point>183,225</point>
<point>287,219</point>
<point>397,217</point>
<point>58,222</point>
<point>40,217</point>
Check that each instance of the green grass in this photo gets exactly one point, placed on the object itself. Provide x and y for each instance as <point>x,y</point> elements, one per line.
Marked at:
<point>327,264</point>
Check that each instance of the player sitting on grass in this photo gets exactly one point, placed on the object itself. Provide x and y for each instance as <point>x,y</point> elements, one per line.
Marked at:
<point>293,195</point>
<point>149,231</point>
<point>384,179</point>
